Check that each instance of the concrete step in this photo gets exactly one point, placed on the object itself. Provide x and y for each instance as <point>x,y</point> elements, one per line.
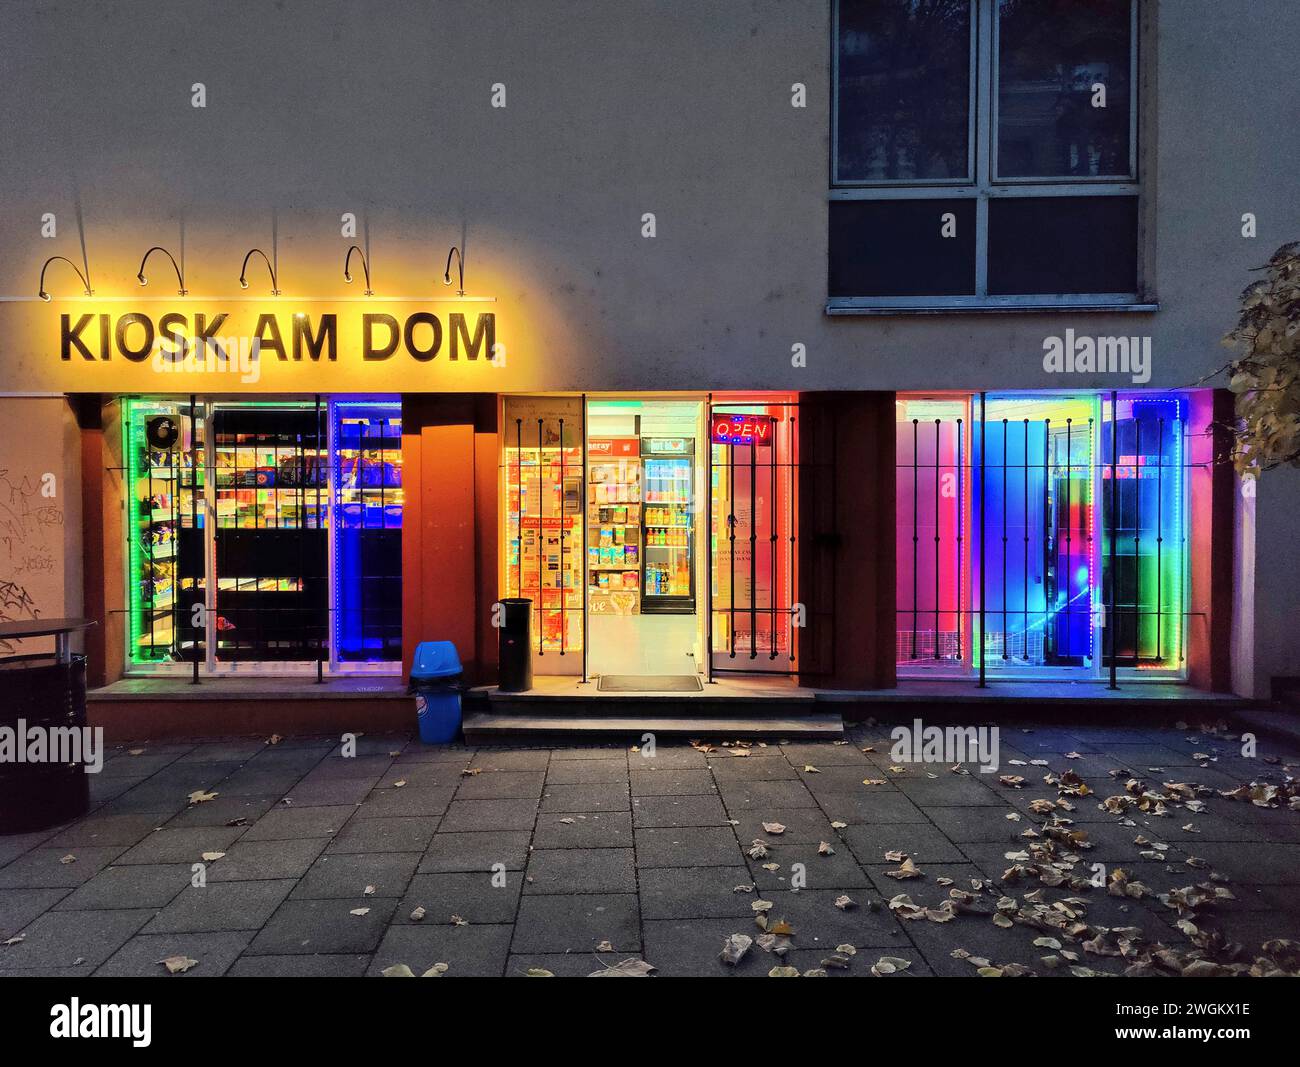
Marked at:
<point>491,727</point>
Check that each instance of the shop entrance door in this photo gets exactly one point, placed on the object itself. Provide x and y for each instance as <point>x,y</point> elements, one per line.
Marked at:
<point>270,499</point>
<point>645,462</point>
<point>753,598</point>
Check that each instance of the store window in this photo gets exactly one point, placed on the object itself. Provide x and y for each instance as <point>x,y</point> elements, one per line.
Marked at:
<point>1054,525</point>
<point>972,141</point>
<point>264,534</point>
<point>542,474</point>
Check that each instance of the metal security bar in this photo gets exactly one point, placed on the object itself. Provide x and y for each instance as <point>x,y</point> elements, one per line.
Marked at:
<point>1046,538</point>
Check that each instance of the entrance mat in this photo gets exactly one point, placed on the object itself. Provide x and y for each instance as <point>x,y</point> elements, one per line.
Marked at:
<point>649,683</point>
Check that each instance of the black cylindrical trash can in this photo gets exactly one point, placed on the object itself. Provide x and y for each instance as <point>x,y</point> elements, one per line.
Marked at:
<point>514,646</point>
<point>44,695</point>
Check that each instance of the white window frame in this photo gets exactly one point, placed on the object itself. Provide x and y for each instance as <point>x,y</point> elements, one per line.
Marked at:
<point>986,186</point>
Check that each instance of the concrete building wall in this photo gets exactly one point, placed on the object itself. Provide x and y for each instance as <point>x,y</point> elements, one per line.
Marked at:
<point>681,109</point>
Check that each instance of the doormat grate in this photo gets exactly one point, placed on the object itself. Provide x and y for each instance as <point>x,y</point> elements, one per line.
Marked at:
<point>649,683</point>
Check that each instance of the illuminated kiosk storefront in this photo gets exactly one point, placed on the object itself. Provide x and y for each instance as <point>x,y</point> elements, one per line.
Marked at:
<point>262,524</point>
<point>648,529</point>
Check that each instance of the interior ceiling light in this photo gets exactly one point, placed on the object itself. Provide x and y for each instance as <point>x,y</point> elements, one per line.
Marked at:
<point>365,266</point>
<point>243,271</point>
<point>85,281</point>
<point>180,276</point>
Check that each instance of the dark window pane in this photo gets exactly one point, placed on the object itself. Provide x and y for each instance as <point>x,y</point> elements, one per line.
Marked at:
<point>1050,55</point>
<point>903,93</point>
<point>1062,244</point>
<point>897,248</point>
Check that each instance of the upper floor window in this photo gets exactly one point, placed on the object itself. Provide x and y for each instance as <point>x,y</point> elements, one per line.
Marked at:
<point>984,153</point>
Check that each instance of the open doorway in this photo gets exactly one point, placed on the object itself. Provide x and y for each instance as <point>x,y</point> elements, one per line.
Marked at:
<point>646,472</point>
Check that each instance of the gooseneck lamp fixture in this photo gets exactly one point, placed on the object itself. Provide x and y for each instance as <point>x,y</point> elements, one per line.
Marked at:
<point>243,271</point>
<point>85,282</point>
<point>460,264</point>
<point>176,266</point>
<point>365,266</point>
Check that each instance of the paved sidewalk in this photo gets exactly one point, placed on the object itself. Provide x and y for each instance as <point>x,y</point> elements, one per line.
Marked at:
<point>323,859</point>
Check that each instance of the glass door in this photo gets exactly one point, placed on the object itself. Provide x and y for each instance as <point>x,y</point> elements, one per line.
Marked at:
<point>270,504</point>
<point>668,525</point>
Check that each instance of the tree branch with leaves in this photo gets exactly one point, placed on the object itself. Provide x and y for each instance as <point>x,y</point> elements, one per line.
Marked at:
<point>1265,376</point>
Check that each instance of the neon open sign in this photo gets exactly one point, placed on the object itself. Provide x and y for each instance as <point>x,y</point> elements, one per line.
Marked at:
<point>742,430</point>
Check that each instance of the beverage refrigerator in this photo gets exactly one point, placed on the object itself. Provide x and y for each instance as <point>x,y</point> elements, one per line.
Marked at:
<point>668,524</point>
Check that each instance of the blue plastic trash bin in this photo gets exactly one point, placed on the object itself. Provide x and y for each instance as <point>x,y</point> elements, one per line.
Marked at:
<point>435,678</point>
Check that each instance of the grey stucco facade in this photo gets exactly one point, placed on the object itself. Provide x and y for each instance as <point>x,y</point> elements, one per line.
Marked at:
<point>614,110</point>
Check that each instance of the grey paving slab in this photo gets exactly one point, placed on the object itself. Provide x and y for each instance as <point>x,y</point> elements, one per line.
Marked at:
<point>695,892</point>
<point>923,843</point>
<point>407,800</point>
<point>586,772</point>
<point>567,871</point>
<point>860,965</point>
<point>288,823</point>
<point>825,756</point>
<point>71,939</point>
<point>104,790</point>
<point>1273,863</point>
<point>688,947</point>
<point>668,757</point>
<point>611,796</point>
<point>104,830</point>
<point>871,804</point>
<point>478,897</point>
<point>125,765</point>
<point>468,951</point>
<point>255,860</point>
<point>324,926</point>
<point>801,824</point>
<point>407,833</point>
<point>597,829</point>
<point>615,752</point>
<point>838,779</point>
<point>526,759</point>
<point>220,906</point>
<point>767,768</point>
<point>182,845</point>
<point>670,782</point>
<point>318,966</point>
<point>422,776</point>
<point>577,923</point>
<point>481,815</point>
<point>224,811</point>
<point>452,755</point>
<point>141,956</point>
<point>46,867</point>
<point>18,907</point>
<point>502,785</point>
<point>741,796</point>
<point>953,790</point>
<point>927,890</point>
<point>14,845</point>
<point>358,766</point>
<point>250,781</point>
<point>329,791</point>
<point>560,964</point>
<point>225,751</point>
<point>476,851</point>
<point>135,885</point>
<point>972,824</point>
<point>819,924</point>
<point>693,846</point>
<point>678,811</point>
<point>800,861</point>
<point>348,875</point>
